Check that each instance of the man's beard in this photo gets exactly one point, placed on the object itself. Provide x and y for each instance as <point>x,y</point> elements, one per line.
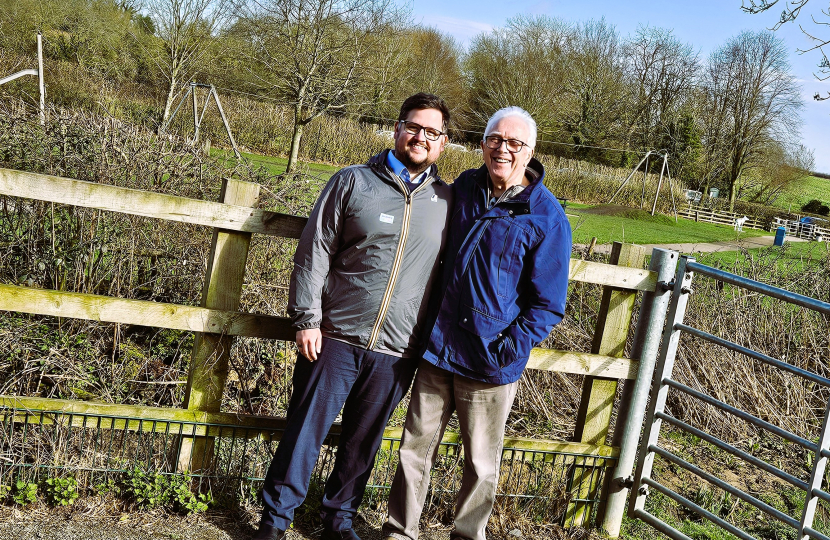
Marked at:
<point>410,164</point>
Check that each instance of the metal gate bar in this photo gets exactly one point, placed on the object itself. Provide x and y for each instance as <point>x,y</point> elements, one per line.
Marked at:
<point>783,433</point>
<point>754,354</point>
<point>662,383</point>
<point>761,464</point>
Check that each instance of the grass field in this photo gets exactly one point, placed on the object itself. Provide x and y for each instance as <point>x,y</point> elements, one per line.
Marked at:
<point>621,224</point>
<point>791,258</point>
<point>812,188</point>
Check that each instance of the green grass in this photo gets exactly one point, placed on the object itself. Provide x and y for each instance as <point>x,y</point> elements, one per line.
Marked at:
<point>811,188</point>
<point>639,227</point>
<point>791,258</point>
<point>275,165</point>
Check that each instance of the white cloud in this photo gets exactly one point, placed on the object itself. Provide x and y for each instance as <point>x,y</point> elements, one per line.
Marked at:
<point>462,29</point>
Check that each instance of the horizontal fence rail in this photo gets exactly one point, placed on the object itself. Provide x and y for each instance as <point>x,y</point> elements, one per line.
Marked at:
<point>718,217</point>
<point>140,418</point>
<point>44,187</point>
<point>819,449</point>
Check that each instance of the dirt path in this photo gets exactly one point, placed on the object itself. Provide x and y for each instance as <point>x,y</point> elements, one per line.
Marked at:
<point>46,523</point>
<point>167,528</point>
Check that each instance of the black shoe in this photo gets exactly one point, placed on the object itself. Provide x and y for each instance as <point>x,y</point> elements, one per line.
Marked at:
<point>345,534</point>
<point>267,532</point>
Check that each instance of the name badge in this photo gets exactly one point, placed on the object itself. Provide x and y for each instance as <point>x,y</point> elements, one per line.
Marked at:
<point>386,218</point>
<point>434,198</point>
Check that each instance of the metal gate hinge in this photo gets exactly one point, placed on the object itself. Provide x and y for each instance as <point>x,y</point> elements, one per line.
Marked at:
<point>626,482</point>
<point>666,286</point>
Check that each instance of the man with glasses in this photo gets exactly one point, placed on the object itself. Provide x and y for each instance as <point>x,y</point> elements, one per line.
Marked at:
<point>365,264</point>
<point>504,283</point>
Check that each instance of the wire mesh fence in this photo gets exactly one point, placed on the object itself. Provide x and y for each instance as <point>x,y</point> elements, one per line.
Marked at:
<point>98,449</point>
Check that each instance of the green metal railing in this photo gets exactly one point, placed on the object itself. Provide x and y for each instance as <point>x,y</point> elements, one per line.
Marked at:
<point>97,448</point>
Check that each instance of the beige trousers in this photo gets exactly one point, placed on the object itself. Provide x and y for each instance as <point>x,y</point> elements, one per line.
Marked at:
<point>482,413</point>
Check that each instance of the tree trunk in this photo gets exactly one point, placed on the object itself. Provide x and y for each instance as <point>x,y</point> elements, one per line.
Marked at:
<point>295,145</point>
<point>733,192</point>
<point>171,94</point>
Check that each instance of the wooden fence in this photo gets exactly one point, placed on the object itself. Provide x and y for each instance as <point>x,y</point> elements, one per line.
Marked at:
<point>705,215</point>
<point>217,320</point>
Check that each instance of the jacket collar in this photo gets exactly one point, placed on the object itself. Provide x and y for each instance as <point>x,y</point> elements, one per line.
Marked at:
<point>378,164</point>
<point>535,173</point>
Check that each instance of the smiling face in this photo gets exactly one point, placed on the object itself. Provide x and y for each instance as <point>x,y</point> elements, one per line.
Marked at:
<point>417,152</point>
<point>506,168</point>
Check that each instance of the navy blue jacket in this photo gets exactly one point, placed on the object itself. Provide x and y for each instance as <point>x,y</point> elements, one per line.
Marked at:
<point>505,279</point>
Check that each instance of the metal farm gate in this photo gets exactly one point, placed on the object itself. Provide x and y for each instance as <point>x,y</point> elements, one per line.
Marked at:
<point>814,489</point>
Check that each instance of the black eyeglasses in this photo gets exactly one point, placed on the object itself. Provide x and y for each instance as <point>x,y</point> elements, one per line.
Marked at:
<point>493,142</point>
<point>413,129</point>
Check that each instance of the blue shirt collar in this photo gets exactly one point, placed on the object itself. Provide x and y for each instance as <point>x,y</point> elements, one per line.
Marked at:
<point>401,171</point>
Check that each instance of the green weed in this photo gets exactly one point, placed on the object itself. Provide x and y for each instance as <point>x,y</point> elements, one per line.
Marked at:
<point>146,490</point>
<point>150,490</point>
<point>60,491</point>
<point>24,493</point>
<point>184,500</point>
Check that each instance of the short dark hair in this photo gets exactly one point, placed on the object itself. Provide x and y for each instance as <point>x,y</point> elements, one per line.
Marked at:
<point>421,101</point>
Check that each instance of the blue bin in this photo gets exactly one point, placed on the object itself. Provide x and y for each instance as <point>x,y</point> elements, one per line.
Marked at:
<point>780,233</point>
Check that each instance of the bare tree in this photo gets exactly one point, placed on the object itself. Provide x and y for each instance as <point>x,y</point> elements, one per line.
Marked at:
<point>792,9</point>
<point>595,90</point>
<point>186,29</point>
<point>433,61</point>
<point>752,99</point>
<point>662,72</point>
<point>316,54</point>
<point>522,64</point>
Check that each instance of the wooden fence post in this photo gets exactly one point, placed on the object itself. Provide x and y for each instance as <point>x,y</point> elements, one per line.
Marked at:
<point>594,416</point>
<point>211,352</point>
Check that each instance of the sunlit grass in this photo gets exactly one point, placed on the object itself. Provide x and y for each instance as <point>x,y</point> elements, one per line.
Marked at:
<point>639,227</point>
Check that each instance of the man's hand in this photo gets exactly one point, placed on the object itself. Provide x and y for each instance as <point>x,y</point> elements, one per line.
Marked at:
<point>309,342</point>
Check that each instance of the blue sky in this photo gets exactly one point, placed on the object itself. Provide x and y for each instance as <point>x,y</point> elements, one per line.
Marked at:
<point>706,24</point>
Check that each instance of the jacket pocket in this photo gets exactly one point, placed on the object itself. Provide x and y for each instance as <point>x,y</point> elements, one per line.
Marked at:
<point>486,350</point>
<point>480,324</point>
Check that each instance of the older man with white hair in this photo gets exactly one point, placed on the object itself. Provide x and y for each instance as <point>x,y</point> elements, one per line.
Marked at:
<point>504,286</point>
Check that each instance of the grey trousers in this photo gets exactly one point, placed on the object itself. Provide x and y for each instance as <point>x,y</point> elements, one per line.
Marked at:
<point>482,413</point>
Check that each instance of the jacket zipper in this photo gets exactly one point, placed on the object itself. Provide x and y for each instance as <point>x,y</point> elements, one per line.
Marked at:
<point>396,264</point>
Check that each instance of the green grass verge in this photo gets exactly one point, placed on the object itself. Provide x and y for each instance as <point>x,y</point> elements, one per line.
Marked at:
<point>639,227</point>
<point>792,257</point>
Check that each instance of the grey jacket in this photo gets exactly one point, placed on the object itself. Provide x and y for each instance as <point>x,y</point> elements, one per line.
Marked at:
<point>368,258</point>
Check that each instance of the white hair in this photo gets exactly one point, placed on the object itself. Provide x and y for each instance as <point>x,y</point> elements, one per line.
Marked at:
<point>513,111</point>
